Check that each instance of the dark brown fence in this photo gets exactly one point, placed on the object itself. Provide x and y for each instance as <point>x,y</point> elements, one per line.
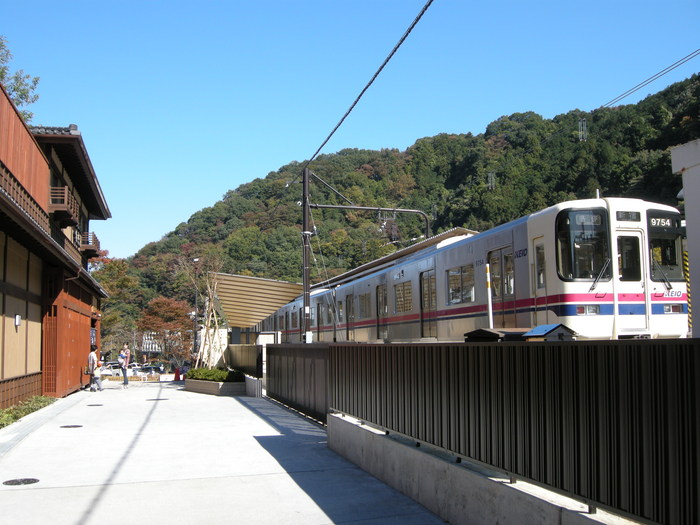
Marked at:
<point>615,423</point>
<point>247,358</point>
<point>17,389</point>
<point>297,375</point>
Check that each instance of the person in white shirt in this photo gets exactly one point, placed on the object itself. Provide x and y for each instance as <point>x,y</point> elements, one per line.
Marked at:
<point>95,370</point>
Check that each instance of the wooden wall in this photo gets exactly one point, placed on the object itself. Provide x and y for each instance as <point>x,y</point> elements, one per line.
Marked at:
<point>68,320</point>
<point>21,154</point>
<point>20,295</point>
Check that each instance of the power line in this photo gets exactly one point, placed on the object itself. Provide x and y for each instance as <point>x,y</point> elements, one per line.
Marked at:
<point>624,95</point>
<point>652,78</point>
<point>386,61</point>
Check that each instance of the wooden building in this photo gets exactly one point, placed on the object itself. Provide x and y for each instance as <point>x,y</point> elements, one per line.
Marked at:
<point>49,303</point>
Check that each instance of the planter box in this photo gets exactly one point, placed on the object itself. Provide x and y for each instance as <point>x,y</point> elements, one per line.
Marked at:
<point>215,388</point>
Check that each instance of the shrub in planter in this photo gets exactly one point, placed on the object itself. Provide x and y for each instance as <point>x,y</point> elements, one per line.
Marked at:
<point>216,374</point>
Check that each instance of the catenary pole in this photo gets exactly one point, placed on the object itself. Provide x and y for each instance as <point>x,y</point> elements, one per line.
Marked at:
<point>306,257</point>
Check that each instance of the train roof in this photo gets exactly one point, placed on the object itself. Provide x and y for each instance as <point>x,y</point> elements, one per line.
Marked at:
<point>451,235</point>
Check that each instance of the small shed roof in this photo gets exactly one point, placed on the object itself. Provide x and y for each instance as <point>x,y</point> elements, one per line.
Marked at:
<point>248,300</point>
<point>545,329</point>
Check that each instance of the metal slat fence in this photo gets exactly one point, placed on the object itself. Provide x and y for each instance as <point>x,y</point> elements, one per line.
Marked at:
<point>297,375</point>
<point>615,423</point>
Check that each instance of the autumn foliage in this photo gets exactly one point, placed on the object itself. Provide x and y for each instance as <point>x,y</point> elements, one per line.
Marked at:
<point>169,321</point>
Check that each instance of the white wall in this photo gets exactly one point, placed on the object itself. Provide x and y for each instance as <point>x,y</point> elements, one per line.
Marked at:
<point>685,159</point>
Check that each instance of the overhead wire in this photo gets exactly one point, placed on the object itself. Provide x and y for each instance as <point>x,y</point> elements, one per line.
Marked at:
<point>652,78</point>
<point>364,90</point>
<point>374,77</point>
<point>627,93</point>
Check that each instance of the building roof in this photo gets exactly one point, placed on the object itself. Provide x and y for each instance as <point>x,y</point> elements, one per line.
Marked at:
<point>546,329</point>
<point>248,300</point>
<point>68,143</point>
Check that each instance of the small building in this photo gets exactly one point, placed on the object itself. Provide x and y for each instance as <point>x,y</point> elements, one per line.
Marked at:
<point>550,332</point>
<point>49,302</point>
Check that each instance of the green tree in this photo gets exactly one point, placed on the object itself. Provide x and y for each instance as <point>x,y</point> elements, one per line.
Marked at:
<point>20,86</point>
<point>126,298</point>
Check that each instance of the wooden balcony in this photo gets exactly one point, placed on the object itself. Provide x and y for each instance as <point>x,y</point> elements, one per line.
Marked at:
<point>16,192</point>
<point>89,245</point>
<point>64,206</point>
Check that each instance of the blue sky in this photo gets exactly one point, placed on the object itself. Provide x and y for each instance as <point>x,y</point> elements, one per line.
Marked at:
<point>180,101</point>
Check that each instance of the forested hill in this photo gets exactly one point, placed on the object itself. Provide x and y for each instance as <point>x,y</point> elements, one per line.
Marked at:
<point>520,164</point>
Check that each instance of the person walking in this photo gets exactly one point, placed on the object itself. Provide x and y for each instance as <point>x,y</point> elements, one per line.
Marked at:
<point>94,370</point>
<point>124,357</point>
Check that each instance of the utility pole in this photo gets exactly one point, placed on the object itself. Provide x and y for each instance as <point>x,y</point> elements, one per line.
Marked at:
<point>306,257</point>
<point>306,240</point>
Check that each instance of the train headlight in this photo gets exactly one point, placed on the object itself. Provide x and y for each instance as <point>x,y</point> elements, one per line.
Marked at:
<point>587,309</point>
<point>673,308</point>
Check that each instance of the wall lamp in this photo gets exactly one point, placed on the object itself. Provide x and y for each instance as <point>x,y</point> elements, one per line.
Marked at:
<point>18,320</point>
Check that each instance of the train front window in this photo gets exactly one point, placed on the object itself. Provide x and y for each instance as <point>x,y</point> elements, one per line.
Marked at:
<point>583,245</point>
<point>665,236</point>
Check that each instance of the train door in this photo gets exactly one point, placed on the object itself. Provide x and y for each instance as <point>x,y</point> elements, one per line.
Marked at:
<point>319,322</point>
<point>350,316</point>
<point>539,289</point>
<point>428,302</point>
<point>339,321</point>
<point>503,287</point>
<point>633,306</point>
<point>331,319</point>
<point>382,312</point>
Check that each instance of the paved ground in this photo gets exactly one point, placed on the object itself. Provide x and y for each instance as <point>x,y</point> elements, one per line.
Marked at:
<point>155,453</point>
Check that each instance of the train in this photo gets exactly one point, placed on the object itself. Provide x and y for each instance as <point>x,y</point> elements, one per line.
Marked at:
<point>602,268</point>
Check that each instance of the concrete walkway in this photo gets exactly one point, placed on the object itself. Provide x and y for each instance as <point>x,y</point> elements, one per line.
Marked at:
<point>155,453</point>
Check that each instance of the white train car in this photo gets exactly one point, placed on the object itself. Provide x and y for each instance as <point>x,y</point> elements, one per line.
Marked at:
<point>605,268</point>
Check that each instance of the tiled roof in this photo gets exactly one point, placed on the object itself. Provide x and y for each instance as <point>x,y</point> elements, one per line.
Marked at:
<point>55,130</point>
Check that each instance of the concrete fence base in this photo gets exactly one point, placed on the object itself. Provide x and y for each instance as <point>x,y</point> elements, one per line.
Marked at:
<point>215,388</point>
<point>460,493</point>
<point>253,386</point>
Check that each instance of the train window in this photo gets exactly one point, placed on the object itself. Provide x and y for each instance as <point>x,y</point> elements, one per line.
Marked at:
<point>350,316</point>
<point>460,285</point>
<point>382,312</point>
<point>340,311</point>
<point>329,313</point>
<point>364,306</point>
<point>508,274</point>
<point>540,266</point>
<point>295,320</point>
<point>665,258</point>
<point>495,263</point>
<point>428,301</point>
<point>628,260</point>
<point>583,246</point>
<point>665,246</point>
<point>403,297</point>
<point>468,283</point>
<point>382,309</point>
<point>454,286</point>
